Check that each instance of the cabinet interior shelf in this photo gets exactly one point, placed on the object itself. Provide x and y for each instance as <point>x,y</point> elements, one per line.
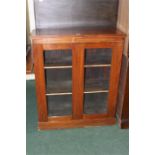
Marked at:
<point>97,65</point>
<point>58,94</point>
<point>57,67</point>
<point>70,93</point>
<point>86,66</point>
<point>66,88</point>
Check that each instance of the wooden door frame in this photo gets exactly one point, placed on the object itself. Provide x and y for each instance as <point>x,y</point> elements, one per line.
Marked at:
<point>117,50</point>
<point>40,82</point>
<point>38,51</point>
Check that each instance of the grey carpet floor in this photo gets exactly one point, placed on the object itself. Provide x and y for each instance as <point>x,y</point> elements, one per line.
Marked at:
<point>107,140</point>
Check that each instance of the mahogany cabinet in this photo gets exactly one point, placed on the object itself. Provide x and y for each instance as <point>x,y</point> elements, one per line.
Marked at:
<point>77,57</point>
<point>77,75</point>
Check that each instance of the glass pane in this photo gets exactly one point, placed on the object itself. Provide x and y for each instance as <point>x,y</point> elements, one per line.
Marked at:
<point>95,103</point>
<point>59,105</point>
<point>58,58</point>
<point>98,56</point>
<point>97,78</point>
<point>58,80</point>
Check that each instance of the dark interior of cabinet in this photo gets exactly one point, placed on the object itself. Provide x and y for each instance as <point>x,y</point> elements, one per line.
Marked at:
<point>97,78</point>
<point>98,56</point>
<point>59,105</point>
<point>62,105</point>
<point>58,57</point>
<point>58,80</point>
<point>58,76</point>
<point>95,103</point>
<point>93,56</point>
<point>97,68</point>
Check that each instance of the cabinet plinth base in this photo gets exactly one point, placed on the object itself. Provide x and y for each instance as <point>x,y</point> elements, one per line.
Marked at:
<point>124,123</point>
<point>81,123</point>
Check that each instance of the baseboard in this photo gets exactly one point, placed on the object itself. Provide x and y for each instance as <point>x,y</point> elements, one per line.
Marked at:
<point>52,125</point>
<point>30,77</point>
<point>123,124</point>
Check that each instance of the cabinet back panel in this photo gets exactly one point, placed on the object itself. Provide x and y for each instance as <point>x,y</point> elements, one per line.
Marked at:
<point>75,13</point>
<point>58,57</point>
<point>58,80</point>
<point>98,56</point>
<point>97,78</point>
<point>95,103</point>
<point>59,105</point>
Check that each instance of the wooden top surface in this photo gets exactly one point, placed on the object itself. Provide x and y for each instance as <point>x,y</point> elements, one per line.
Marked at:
<point>75,32</point>
<point>67,35</point>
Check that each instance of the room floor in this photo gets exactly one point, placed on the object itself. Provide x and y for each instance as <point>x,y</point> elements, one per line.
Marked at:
<point>107,140</point>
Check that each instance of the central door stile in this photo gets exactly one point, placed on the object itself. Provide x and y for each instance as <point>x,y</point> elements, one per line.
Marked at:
<point>78,80</point>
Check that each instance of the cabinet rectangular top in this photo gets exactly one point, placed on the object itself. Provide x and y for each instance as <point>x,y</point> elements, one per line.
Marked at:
<point>77,35</point>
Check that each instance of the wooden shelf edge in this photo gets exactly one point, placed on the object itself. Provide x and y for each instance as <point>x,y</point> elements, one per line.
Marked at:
<point>81,123</point>
<point>70,93</point>
<point>96,91</point>
<point>57,67</point>
<point>97,65</point>
<point>58,94</point>
<point>86,66</point>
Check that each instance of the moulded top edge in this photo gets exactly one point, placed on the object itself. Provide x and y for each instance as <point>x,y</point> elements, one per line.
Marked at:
<point>76,32</point>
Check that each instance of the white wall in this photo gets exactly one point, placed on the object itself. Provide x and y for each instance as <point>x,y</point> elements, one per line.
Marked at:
<point>31,15</point>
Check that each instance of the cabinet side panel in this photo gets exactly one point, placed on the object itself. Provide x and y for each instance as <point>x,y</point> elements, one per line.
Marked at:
<point>40,82</point>
<point>114,77</point>
<point>123,95</point>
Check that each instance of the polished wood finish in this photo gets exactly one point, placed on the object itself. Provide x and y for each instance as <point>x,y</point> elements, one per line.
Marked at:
<point>125,111</point>
<point>114,78</point>
<point>78,81</point>
<point>78,44</point>
<point>78,31</point>
<point>123,92</point>
<point>40,82</point>
<point>123,95</point>
<point>72,123</point>
<point>97,35</point>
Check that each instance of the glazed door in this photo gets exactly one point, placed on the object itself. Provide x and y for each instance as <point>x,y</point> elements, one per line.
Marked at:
<point>101,73</point>
<point>53,70</point>
<point>58,79</point>
<point>96,70</point>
